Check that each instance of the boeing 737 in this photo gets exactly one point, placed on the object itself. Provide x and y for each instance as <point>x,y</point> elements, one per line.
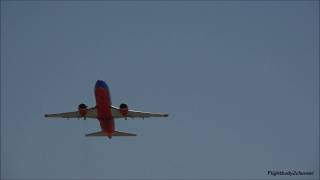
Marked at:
<point>105,112</point>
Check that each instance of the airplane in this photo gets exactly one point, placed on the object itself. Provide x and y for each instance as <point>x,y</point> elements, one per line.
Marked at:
<point>105,112</point>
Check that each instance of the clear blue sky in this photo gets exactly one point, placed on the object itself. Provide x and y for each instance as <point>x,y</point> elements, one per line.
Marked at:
<point>240,81</point>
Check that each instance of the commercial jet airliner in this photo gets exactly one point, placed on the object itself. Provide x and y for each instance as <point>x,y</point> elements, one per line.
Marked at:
<point>105,112</point>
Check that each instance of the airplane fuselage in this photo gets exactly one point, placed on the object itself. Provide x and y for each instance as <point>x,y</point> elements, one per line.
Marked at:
<point>103,104</point>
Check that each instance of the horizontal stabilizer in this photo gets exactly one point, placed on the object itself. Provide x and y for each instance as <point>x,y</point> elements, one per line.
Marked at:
<point>115,133</point>
<point>118,133</point>
<point>99,133</point>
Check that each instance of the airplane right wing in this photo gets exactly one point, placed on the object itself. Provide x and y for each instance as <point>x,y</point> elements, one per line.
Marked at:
<point>135,114</point>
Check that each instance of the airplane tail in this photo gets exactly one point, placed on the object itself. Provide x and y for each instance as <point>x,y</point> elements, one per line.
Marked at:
<point>115,133</point>
<point>118,133</point>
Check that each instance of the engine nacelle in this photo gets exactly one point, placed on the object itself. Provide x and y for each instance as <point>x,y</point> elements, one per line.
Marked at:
<point>83,110</point>
<point>124,110</point>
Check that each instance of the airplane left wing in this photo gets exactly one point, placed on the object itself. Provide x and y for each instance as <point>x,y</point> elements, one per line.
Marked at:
<point>92,113</point>
<point>135,114</point>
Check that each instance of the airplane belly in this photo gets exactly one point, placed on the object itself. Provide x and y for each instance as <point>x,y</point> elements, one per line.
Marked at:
<point>103,104</point>
<point>107,125</point>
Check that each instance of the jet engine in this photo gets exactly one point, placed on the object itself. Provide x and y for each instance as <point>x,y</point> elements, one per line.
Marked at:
<point>124,110</point>
<point>83,110</point>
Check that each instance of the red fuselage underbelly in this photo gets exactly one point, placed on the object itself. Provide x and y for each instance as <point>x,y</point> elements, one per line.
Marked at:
<point>103,103</point>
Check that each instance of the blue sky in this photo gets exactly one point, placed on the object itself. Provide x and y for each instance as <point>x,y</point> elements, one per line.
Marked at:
<point>240,81</point>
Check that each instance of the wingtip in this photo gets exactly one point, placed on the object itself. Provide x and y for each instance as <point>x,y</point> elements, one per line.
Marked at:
<point>46,115</point>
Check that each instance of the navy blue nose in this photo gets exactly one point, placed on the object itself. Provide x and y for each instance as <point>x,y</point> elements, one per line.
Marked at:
<point>101,83</point>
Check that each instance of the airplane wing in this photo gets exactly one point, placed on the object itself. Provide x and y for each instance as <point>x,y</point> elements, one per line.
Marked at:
<point>92,113</point>
<point>135,114</point>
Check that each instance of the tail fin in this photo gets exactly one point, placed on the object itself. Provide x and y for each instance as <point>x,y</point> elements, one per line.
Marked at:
<point>115,133</point>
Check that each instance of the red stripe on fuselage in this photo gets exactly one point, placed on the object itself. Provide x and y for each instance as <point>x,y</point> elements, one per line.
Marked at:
<point>103,104</point>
